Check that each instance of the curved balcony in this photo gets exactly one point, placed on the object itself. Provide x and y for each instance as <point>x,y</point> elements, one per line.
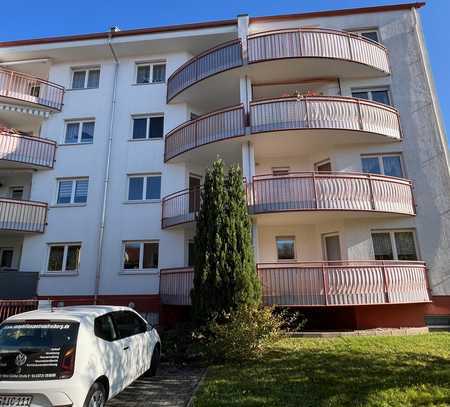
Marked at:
<point>29,89</point>
<point>280,54</point>
<point>321,284</point>
<point>21,151</point>
<point>331,192</point>
<point>306,192</point>
<point>22,216</point>
<point>340,120</point>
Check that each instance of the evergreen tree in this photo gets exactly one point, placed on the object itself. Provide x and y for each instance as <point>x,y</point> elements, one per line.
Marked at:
<point>224,270</point>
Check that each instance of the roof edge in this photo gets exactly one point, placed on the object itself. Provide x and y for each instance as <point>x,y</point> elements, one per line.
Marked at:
<point>341,12</point>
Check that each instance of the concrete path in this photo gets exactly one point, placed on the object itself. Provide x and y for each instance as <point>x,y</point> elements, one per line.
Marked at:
<point>172,387</point>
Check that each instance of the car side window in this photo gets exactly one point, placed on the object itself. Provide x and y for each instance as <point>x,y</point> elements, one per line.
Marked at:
<point>104,328</point>
<point>129,324</point>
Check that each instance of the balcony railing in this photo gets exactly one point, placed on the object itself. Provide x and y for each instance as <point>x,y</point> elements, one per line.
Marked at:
<point>31,89</point>
<point>280,44</point>
<point>22,216</point>
<point>9,308</point>
<point>337,191</point>
<point>325,112</point>
<point>218,59</point>
<point>317,43</point>
<point>321,283</point>
<point>221,125</point>
<point>180,207</point>
<point>306,191</point>
<point>303,113</point>
<point>27,150</point>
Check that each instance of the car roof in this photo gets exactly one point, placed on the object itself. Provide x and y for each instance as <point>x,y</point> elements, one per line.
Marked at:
<point>73,313</point>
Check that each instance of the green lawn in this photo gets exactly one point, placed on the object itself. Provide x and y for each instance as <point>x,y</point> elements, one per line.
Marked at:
<point>353,371</point>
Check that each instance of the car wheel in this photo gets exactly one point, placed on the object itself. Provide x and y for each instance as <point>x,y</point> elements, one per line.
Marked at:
<point>96,396</point>
<point>156,356</point>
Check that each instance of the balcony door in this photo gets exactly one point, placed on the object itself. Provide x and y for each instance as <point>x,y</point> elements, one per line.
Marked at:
<point>332,247</point>
<point>194,193</point>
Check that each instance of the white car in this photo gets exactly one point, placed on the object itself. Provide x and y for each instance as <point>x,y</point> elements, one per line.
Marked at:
<point>74,356</point>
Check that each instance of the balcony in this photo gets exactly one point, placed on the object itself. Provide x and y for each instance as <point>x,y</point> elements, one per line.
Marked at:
<point>21,151</point>
<point>22,216</point>
<point>293,54</point>
<point>321,284</point>
<point>350,193</point>
<point>28,89</point>
<point>305,123</point>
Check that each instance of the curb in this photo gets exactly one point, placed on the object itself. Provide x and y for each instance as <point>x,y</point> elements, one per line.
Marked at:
<point>190,402</point>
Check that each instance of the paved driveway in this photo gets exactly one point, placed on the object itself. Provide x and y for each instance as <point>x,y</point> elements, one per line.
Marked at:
<point>172,387</point>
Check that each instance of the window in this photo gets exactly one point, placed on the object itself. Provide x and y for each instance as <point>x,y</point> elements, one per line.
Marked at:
<point>148,127</point>
<point>370,34</point>
<point>376,95</point>
<point>191,253</point>
<point>64,257</point>
<point>16,193</point>
<point>150,73</point>
<point>6,257</point>
<point>394,245</point>
<point>144,187</point>
<point>72,191</point>
<point>279,171</point>
<point>286,248</point>
<point>140,255</point>
<point>386,164</point>
<point>104,328</point>
<point>128,323</point>
<point>79,132</point>
<point>85,78</point>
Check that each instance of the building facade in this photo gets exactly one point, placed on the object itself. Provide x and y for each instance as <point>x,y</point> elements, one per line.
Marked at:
<point>105,139</point>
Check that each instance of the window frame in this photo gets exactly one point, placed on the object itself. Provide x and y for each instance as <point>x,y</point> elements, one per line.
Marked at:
<point>140,270</point>
<point>150,64</point>
<point>380,156</point>
<point>392,233</point>
<point>148,118</point>
<point>368,30</point>
<point>63,270</point>
<point>371,89</point>
<point>86,77</point>
<point>281,171</point>
<point>72,193</point>
<point>144,189</point>
<point>80,122</point>
<point>16,188</point>
<point>285,237</point>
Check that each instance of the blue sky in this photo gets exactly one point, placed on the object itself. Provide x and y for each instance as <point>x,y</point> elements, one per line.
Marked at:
<point>31,19</point>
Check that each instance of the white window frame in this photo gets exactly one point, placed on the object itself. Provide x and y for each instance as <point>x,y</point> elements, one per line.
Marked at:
<point>368,30</point>
<point>86,77</point>
<point>16,188</point>
<point>295,248</point>
<point>324,244</point>
<point>371,89</point>
<point>151,64</point>
<point>63,271</point>
<point>80,130</point>
<point>144,189</point>
<point>141,269</point>
<point>393,245</point>
<point>380,156</point>
<point>147,130</point>
<point>8,248</point>
<point>72,194</point>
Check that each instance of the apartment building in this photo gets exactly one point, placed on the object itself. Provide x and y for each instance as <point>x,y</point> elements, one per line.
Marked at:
<point>105,139</point>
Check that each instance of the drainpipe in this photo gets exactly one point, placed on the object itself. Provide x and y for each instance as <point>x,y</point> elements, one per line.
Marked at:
<point>107,168</point>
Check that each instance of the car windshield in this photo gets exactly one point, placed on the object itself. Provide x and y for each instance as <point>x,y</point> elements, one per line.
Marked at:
<point>37,334</point>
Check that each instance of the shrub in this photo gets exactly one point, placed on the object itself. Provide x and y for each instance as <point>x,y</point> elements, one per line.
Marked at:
<point>243,334</point>
<point>292,319</point>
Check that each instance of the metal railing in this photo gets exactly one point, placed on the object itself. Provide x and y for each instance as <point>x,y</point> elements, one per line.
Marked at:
<point>324,112</point>
<point>280,44</point>
<point>317,43</point>
<point>26,149</point>
<point>321,283</point>
<point>180,207</point>
<point>306,112</point>
<point>9,308</point>
<point>23,216</point>
<point>338,191</point>
<point>31,89</point>
<point>220,125</point>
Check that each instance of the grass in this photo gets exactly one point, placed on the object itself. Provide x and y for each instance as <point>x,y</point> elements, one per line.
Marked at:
<point>349,371</point>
